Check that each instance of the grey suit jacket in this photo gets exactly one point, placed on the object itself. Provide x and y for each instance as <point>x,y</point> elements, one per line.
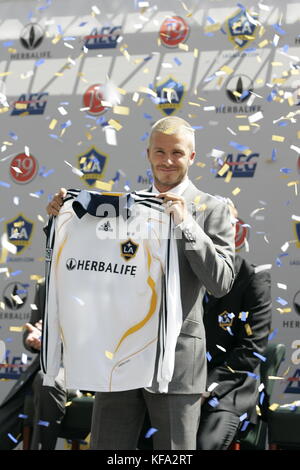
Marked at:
<point>205,243</point>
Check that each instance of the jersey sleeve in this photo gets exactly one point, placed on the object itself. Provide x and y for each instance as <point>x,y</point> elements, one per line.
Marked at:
<point>171,313</point>
<point>51,341</point>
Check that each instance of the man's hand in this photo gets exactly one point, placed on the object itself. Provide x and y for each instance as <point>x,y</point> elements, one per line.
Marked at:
<point>54,206</point>
<point>175,205</point>
<point>33,339</point>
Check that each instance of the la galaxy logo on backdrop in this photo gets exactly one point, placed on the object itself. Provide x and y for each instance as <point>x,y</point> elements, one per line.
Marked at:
<point>241,27</point>
<point>93,164</point>
<point>170,93</point>
<point>19,232</point>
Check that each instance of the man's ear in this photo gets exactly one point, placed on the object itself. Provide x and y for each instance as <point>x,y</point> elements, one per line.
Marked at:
<point>192,158</point>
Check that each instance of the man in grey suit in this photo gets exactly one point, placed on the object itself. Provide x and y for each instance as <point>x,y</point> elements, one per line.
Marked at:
<point>205,241</point>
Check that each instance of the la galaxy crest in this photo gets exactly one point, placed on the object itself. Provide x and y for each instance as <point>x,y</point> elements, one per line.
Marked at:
<point>170,92</point>
<point>225,320</point>
<point>241,30</point>
<point>128,249</point>
<point>19,232</point>
<point>93,165</point>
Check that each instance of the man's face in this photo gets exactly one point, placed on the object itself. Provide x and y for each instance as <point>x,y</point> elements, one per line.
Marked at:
<point>170,157</point>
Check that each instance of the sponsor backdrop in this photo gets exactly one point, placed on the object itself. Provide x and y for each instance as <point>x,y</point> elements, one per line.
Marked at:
<point>82,82</point>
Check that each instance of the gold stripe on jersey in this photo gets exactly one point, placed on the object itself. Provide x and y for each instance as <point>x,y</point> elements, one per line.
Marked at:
<point>153,304</point>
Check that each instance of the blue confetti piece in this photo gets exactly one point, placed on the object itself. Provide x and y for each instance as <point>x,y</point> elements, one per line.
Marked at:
<point>253,375</point>
<point>210,20</point>
<point>244,94</point>
<point>39,62</point>
<point>286,170</point>
<point>282,124</point>
<point>116,177</point>
<point>54,136</point>
<point>250,49</point>
<point>198,127</point>
<point>43,423</point>
<point>8,43</point>
<point>4,184</point>
<point>49,172</point>
<point>214,402</point>
<point>262,358</point>
<point>149,57</point>
<point>12,438</point>
<point>66,124</point>
<point>223,31</point>
<point>59,29</point>
<point>13,135</point>
<point>82,24</point>
<point>16,273</point>
<point>150,432</point>
<point>244,316</point>
<point>281,301</point>
<point>273,334</point>
<point>8,340</point>
<point>21,291</point>
<point>243,417</point>
<point>208,79</point>
<point>209,34</point>
<point>241,6</point>
<point>283,254</point>
<point>245,425</point>
<point>274,152</point>
<point>22,416</point>
<point>177,61</point>
<point>69,38</point>
<point>261,398</point>
<point>208,356</point>
<point>213,171</point>
<point>144,137</point>
<point>285,48</point>
<point>237,146</point>
<point>39,193</point>
<point>147,116</point>
<point>278,29</point>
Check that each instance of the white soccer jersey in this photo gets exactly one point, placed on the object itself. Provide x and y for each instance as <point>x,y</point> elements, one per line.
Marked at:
<point>106,259</point>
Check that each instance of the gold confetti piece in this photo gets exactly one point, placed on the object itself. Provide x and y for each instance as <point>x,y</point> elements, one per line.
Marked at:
<point>52,124</point>
<point>212,27</point>
<point>124,110</point>
<point>293,183</point>
<point>146,70</point>
<point>115,124</point>
<point>284,310</point>
<point>227,69</point>
<point>197,200</point>
<point>122,91</point>
<point>274,406</point>
<point>4,74</point>
<point>291,102</point>
<point>228,177</point>
<point>236,191</point>
<point>278,138</point>
<point>279,81</point>
<point>4,110</point>
<point>196,52</point>
<point>12,50</point>
<point>273,377</point>
<point>183,47</point>
<point>35,277</point>
<point>231,370</point>
<point>17,329</point>
<point>68,403</point>
<point>202,165</point>
<point>276,64</point>
<point>244,128</point>
<point>263,43</point>
<point>109,355</point>
<point>262,31</point>
<point>248,329</point>
<point>21,105</point>
<point>56,39</point>
<point>202,207</point>
<point>103,185</point>
<point>88,136</point>
<point>194,104</point>
<point>223,170</point>
<point>294,72</point>
<point>58,74</point>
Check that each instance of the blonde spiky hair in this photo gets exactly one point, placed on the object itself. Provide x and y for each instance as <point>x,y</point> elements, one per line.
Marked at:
<point>174,125</point>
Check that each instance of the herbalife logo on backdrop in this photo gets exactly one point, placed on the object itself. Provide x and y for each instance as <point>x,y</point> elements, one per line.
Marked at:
<point>31,37</point>
<point>239,90</point>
